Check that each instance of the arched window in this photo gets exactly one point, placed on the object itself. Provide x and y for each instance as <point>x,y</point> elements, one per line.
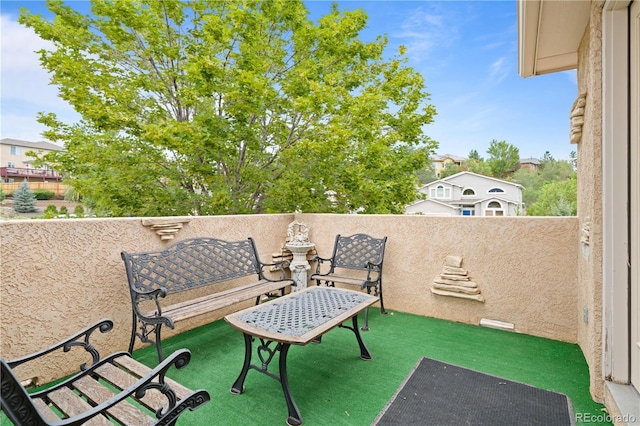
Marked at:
<point>494,208</point>
<point>440,191</point>
<point>495,189</point>
<point>468,192</point>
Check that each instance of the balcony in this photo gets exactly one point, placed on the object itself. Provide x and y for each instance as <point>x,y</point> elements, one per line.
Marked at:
<point>61,275</point>
<point>16,173</point>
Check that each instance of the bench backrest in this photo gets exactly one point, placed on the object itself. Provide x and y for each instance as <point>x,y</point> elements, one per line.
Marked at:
<point>355,251</point>
<point>192,263</point>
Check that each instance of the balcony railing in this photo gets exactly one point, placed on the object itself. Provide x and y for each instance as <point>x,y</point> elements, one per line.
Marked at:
<point>27,172</point>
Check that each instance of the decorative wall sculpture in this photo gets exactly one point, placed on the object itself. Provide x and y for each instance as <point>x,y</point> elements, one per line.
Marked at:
<point>455,281</point>
<point>577,118</point>
<point>165,228</point>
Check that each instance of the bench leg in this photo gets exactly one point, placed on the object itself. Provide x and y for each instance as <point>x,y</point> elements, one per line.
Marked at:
<point>158,343</point>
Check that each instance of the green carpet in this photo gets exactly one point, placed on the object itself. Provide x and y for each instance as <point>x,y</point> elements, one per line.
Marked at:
<point>333,386</point>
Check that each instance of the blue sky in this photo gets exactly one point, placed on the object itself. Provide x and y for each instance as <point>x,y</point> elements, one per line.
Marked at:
<point>466,51</point>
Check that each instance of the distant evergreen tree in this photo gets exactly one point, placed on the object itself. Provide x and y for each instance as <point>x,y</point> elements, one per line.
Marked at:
<point>24,200</point>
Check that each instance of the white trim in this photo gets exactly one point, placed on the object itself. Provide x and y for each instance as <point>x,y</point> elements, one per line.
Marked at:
<point>615,192</point>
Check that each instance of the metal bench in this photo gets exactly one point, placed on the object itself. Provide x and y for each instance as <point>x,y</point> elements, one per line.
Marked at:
<point>191,264</point>
<point>356,260</point>
<point>112,390</point>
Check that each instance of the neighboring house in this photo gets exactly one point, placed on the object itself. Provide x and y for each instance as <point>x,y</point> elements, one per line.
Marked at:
<point>532,164</point>
<point>601,38</point>
<point>16,166</point>
<point>439,162</point>
<point>469,194</point>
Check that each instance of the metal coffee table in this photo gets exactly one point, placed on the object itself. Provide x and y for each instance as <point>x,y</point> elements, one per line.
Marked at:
<point>295,319</point>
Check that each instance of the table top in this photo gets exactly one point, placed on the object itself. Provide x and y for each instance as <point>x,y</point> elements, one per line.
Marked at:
<point>300,317</point>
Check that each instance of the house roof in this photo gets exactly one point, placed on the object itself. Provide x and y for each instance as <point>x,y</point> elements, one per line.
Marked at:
<point>474,201</point>
<point>33,145</point>
<point>429,200</point>
<point>449,156</point>
<point>549,34</point>
<point>529,160</point>
<point>448,178</point>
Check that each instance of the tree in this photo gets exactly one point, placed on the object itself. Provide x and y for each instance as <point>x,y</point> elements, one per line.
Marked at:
<point>231,107</point>
<point>24,200</point>
<point>556,198</point>
<point>503,158</point>
<point>449,169</point>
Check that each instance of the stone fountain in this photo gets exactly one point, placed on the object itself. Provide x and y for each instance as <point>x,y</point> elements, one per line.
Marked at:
<point>299,245</point>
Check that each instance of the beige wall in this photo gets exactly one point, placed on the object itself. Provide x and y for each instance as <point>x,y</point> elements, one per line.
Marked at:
<point>59,276</point>
<point>590,178</point>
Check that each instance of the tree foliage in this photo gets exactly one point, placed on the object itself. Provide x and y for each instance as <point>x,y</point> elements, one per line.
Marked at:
<point>550,191</point>
<point>556,198</point>
<point>231,107</point>
<point>503,158</point>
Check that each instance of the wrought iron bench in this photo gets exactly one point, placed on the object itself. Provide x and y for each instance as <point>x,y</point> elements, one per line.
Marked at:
<point>191,264</point>
<point>112,390</point>
<point>356,260</point>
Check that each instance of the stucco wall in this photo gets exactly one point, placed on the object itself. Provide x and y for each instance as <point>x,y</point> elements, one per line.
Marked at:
<point>590,177</point>
<point>58,276</point>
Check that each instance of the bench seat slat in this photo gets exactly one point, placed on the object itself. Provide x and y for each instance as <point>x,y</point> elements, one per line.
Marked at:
<point>123,412</point>
<point>71,404</point>
<point>45,410</point>
<point>219,300</point>
<point>113,375</point>
<point>138,370</point>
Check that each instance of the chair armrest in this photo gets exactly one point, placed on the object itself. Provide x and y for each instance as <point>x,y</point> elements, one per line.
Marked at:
<point>81,339</point>
<point>319,261</point>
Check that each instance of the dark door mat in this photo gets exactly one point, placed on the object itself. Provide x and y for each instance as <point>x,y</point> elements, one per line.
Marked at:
<point>440,394</point>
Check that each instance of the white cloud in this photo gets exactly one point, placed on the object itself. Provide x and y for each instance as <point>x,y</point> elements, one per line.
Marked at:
<point>499,70</point>
<point>25,88</point>
<point>424,31</point>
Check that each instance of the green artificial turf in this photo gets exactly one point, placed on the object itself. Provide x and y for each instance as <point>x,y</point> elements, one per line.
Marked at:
<point>333,386</point>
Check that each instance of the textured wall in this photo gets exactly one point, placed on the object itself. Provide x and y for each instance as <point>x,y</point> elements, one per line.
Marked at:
<point>525,266</point>
<point>590,199</point>
<point>59,276</point>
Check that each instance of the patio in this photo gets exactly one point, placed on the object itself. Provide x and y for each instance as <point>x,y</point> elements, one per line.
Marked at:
<point>525,268</point>
<point>332,386</point>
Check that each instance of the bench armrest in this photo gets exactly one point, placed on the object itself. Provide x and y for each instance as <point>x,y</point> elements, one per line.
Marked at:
<point>281,265</point>
<point>20,405</point>
<point>80,339</point>
<point>179,359</point>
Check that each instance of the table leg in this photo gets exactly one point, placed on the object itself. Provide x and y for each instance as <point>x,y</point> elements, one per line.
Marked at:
<point>238,385</point>
<point>295,418</point>
<point>364,352</point>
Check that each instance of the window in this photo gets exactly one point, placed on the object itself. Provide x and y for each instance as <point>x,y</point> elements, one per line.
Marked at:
<point>468,211</point>
<point>440,191</point>
<point>494,208</point>
<point>11,164</point>
<point>495,189</point>
<point>16,150</point>
<point>468,192</point>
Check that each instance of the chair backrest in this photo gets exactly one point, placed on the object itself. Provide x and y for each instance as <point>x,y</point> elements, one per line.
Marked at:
<point>191,263</point>
<point>356,251</point>
<point>15,401</point>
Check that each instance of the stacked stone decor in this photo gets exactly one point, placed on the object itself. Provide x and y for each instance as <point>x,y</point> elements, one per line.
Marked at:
<point>455,281</point>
